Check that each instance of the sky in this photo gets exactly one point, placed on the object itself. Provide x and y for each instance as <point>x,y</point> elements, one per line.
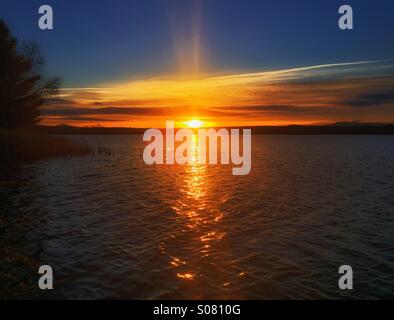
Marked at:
<point>225,62</point>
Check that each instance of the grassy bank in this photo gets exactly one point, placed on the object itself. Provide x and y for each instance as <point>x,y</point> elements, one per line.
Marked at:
<point>27,146</point>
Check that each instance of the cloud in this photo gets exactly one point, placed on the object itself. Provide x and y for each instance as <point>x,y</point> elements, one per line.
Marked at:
<point>329,93</point>
<point>89,119</point>
<point>131,111</point>
<point>103,111</point>
<point>278,109</point>
<point>372,99</point>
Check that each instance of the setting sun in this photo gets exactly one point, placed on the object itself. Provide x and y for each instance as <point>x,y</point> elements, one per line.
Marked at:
<point>194,123</point>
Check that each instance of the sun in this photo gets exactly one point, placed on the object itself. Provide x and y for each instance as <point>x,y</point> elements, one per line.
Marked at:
<point>195,123</point>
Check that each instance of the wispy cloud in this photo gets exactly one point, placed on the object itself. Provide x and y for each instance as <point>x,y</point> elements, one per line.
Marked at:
<point>321,93</point>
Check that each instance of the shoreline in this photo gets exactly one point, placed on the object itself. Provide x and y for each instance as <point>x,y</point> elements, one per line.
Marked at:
<point>333,129</point>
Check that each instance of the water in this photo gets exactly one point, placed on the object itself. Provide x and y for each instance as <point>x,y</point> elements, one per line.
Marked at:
<point>113,227</point>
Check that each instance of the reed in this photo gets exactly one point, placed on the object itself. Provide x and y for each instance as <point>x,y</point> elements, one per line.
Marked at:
<point>19,146</point>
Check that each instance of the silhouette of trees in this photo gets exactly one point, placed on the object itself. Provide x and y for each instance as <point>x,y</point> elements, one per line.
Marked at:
<point>23,88</point>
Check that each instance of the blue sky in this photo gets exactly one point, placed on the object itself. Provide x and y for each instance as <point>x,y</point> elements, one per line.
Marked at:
<point>108,41</point>
<point>225,62</point>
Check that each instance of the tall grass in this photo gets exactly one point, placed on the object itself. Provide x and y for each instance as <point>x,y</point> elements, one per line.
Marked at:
<point>26,146</point>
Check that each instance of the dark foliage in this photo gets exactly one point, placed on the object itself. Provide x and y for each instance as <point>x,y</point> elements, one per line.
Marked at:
<point>23,88</point>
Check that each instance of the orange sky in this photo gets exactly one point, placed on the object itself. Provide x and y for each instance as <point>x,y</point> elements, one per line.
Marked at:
<point>358,91</point>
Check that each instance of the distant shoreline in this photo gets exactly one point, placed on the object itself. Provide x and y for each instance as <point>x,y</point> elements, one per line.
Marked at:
<point>332,129</point>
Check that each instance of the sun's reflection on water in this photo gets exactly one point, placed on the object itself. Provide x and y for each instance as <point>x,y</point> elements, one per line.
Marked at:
<point>200,215</point>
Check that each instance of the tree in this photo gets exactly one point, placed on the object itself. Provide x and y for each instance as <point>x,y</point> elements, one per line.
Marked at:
<point>23,88</point>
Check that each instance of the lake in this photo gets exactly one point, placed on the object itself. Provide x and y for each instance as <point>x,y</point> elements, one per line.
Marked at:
<point>113,227</point>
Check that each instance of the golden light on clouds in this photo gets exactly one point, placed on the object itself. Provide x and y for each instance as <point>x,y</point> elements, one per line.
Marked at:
<point>314,94</point>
